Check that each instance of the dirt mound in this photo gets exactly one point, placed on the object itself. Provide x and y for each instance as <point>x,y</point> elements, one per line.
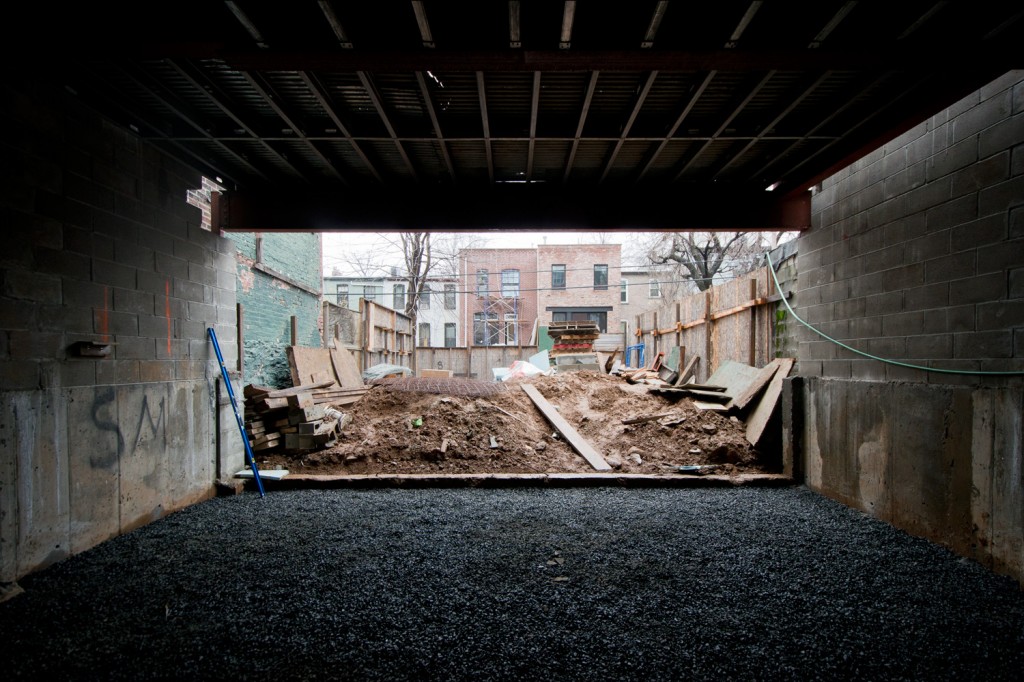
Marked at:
<point>395,430</point>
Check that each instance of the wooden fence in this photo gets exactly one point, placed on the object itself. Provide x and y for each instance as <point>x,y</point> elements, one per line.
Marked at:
<point>732,321</point>
<point>375,334</point>
<point>475,362</point>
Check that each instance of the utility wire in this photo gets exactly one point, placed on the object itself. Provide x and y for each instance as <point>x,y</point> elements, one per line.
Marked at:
<point>641,267</point>
<point>496,292</point>
<point>825,336</point>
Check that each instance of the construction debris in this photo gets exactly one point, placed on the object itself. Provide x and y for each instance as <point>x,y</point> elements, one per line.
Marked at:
<point>297,419</point>
<point>460,416</point>
<point>573,337</point>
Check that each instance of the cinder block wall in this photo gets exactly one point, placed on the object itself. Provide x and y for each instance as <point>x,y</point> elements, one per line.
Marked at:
<point>917,255</point>
<point>269,300</point>
<point>100,246</point>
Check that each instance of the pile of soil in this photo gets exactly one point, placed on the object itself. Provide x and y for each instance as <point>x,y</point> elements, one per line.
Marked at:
<point>394,430</point>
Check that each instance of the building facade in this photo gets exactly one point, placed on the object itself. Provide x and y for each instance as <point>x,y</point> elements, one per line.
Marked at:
<point>499,293</point>
<point>437,319</point>
<point>579,282</point>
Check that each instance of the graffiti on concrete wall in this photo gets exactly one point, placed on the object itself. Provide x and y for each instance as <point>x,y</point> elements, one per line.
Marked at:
<point>150,427</point>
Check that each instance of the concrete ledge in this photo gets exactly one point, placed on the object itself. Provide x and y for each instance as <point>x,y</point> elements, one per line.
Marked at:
<point>300,482</point>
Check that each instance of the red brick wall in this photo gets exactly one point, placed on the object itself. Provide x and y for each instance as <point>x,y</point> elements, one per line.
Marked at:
<point>494,261</point>
<point>579,261</point>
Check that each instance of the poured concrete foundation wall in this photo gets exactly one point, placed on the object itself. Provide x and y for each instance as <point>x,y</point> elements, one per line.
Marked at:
<point>917,255</point>
<point>102,248</point>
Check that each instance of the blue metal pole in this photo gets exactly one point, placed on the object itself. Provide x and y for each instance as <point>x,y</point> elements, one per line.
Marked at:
<point>250,459</point>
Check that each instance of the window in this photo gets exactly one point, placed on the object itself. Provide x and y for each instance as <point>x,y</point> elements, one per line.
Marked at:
<point>449,297</point>
<point>481,282</point>
<point>624,292</point>
<point>425,298</point>
<point>485,329</point>
<point>449,335</point>
<point>601,319</point>
<point>370,293</point>
<point>655,289</point>
<point>342,294</point>
<point>510,284</point>
<point>399,297</point>
<point>424,334</point>
<point>558,276</point>
<point>560,316</point>
<point>511,329</point>
<point>600,276</point>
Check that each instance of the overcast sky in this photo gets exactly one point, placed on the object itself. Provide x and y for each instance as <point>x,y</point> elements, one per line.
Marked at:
<point>341,248</point>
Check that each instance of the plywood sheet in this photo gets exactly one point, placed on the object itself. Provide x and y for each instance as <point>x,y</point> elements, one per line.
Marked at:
<point>735,376</point>
<point>758,419</point>
<point>308,365</point>
<point>317,365</point>
<point>345,369</point>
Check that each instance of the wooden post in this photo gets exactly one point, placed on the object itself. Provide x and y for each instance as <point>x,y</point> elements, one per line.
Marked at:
<point>324,322</point>
<point>753,324</point>
<point>295,331</point>
<point>240,337</point>
<point>679,331</point>
<point>656,338</point>
<point>709,329</point>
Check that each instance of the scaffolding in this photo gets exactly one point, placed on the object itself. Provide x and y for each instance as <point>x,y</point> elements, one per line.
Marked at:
<point>499,324</point>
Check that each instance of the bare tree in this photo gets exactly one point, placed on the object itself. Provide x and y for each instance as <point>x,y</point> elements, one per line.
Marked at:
<point>701,256</point>
<point>426,255</point>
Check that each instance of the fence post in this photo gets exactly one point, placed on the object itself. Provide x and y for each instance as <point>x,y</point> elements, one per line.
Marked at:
<point>709,328</point>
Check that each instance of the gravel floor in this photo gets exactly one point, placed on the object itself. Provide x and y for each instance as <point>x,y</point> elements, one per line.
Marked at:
<point>523,584</point>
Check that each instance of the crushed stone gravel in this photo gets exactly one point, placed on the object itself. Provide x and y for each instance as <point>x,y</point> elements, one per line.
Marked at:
<point>513,584</point>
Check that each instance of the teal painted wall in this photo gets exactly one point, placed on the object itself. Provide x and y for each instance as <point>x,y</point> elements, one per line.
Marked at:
<point>269,302</point>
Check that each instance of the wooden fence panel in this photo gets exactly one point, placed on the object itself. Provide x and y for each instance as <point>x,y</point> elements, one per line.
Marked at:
<point>475,362</point>
<point>732,321</point>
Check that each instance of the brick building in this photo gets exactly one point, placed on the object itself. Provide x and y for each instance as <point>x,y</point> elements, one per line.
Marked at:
<point>499,296</point>
<point>437,320</point>
<point>278,279</point>
<point>508,294</point>
<point>579,282</point>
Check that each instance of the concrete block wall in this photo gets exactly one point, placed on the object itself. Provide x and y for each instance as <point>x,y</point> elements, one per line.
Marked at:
<point>916,254</point>
<point>269,300</point>
<point>100,246</point>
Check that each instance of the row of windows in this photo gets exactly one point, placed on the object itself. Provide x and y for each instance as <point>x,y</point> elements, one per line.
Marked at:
<point>449,334</point>
<point>509,288</point>
<point>510,280</point>
<point>373,293</point>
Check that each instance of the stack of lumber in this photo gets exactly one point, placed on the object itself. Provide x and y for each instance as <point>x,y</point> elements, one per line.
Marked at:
<point>573,337</point>
<point>298,418</point>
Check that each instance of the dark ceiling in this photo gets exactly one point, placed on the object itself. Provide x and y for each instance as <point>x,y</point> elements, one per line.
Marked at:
<point>528,114</point>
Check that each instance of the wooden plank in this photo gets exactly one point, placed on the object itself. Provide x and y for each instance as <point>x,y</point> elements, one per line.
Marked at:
<point>571,435</point>
<point>307,363</point>
<point>762,413</point>
<point>345,368</point>
<point>647,418</point>
<point>704,387</point>
<point>739,308</point>
<point>436,373</point>
<point>735,376</point>
<point>754,389</point>
<point>716,407</point>
<point>294,390</point>
<point>687,371</point>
